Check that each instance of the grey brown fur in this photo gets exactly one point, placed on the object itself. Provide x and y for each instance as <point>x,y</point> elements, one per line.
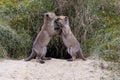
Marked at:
<point>39,48</point>
<point>72,44</point>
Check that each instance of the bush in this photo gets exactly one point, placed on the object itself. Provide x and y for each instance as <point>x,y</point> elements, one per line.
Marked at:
<point>95,23</point>
<point>14,44</point>
<point>3,52</point>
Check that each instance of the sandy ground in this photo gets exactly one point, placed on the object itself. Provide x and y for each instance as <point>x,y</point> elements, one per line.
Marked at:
<point>55,69</point>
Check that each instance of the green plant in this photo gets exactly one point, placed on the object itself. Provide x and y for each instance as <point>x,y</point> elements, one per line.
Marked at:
<point>95,23</point>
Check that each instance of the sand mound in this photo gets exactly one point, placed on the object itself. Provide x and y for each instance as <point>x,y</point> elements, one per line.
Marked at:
<point>55,69</point>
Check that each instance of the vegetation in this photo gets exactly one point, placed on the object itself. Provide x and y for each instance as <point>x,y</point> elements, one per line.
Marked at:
<point>95,23</point>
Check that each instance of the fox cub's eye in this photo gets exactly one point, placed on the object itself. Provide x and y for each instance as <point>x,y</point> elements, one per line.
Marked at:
<point>47,15</point>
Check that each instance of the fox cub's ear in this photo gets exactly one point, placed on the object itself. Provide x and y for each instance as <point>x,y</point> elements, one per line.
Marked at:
<point>66,18</point>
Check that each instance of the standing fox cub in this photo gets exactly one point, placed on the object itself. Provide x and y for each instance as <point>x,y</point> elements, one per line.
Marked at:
<point>39,48</point>
<point>72,44</point>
